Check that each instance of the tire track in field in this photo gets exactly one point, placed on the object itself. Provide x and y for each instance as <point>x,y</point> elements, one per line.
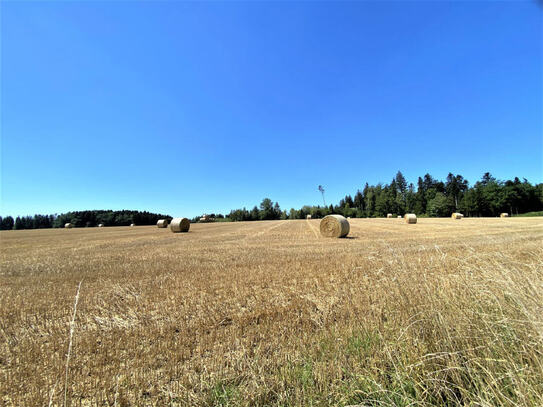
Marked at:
<point>312,228</point>
<point>270,228</point>
<point>262,232</point>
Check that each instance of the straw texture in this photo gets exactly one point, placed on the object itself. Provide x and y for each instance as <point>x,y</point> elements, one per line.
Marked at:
<point>179,225</point>
<point>334,226</point>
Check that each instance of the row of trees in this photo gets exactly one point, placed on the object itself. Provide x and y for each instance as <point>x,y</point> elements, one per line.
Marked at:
<point>215,216</point>
<point>82,219</point>
<point>431,197</point>
<point>268,211</point>
<point>487,197</point>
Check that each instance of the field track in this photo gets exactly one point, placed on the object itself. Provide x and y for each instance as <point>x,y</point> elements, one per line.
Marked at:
<point>263,313</point>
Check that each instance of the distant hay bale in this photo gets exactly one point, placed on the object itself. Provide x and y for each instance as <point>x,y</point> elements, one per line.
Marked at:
<point>504,215</point>
<point>308,217</point>
<point>348,217</point>
<point>334,226</point>
<point>399,216</point>
<point>132,225</point>
<point>410,218</point>
<point>457,215</point>
<point>179,225</point>
<point>389,215</point>
<point>68,226</point>
<point>162,223</point>
<point>100,225</point>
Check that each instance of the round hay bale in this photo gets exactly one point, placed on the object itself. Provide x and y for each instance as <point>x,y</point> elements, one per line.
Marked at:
<point>334,226</point>
<point>457,215</point>
<point>179,225</point>
<point>162,223</point>
<point>68,225</point>
<point>410,218</point>
<point>100,225</point>
<point>308,217</point>
<point>389,215</point>
<point>132,225</point>
<point>504,215</point>
<point>399,216</point>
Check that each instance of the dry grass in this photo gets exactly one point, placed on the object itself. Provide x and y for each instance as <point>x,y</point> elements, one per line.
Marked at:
<point>271,314</point>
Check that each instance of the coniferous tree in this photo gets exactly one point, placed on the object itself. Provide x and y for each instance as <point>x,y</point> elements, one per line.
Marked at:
<point>359,200</point>
<point>420,198</point>
<point>7,223</point>
<point>455,186</point>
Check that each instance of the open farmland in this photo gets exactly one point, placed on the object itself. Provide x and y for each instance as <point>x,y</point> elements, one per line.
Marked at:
<point>269,313</point>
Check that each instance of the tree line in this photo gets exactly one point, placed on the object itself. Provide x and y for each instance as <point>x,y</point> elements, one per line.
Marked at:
<point>268,210</point>
<point>82,219</point>
<point>431,197</point>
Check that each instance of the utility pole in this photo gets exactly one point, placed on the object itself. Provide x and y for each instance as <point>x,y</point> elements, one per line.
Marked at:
<point>321,189</point>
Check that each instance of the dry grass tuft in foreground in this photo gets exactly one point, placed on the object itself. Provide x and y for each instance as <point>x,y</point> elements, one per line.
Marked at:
<point>271,314</point>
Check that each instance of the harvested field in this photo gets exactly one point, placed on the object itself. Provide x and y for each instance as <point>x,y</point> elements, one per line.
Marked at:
<point>272,314</point>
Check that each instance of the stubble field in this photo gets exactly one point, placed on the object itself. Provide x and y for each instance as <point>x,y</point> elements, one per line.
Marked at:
<point>444,312</point>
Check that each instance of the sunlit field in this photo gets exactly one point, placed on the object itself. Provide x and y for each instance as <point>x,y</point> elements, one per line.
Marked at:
<point>443,312</point>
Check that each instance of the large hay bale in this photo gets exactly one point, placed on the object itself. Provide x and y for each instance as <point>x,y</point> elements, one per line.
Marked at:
<point>457,215</point>
<point>100,225</point>
<point>334,226</point>
<point>179,225</point>
<point>410,218</point>
<point>504,215</point>
<point>162,223</point>
<point>308,217</point>
<point>389,215</point>
<point>68,225</point>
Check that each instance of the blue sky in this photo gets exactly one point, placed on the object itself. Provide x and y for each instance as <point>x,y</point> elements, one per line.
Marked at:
<point>185,107</point>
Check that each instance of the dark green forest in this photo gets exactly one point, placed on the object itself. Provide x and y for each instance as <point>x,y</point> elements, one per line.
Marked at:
<point>82,219</point>
<point>430,197</point>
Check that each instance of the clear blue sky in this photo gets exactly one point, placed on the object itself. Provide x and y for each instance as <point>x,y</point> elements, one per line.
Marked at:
<point>184,108</point>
